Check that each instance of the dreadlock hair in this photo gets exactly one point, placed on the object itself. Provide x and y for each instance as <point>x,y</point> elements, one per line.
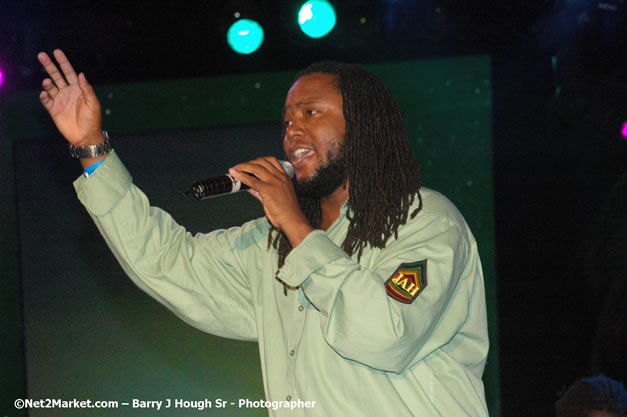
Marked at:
<point>380,166</point>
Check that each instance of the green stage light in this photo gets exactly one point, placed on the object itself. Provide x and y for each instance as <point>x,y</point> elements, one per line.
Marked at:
<point>316,18</point>
<point>245,36</point>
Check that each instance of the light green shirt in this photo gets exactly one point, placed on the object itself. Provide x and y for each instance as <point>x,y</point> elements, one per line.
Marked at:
<point>340,339</point>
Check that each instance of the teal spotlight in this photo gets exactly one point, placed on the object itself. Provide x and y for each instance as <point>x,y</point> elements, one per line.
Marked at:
<point>316,18</point>
<point>245,36</point>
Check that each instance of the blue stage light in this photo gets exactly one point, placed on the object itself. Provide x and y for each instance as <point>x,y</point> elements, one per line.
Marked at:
<point>316,18</point>
<point>245,36</point>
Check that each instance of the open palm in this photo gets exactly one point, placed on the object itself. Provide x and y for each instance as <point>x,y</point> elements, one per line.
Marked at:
<point>71,101</point>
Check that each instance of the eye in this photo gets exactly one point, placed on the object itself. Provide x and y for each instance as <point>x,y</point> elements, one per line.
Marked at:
<point>311,112</point>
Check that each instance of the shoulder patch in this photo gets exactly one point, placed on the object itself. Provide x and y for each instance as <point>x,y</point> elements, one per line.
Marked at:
<point>407,282</point>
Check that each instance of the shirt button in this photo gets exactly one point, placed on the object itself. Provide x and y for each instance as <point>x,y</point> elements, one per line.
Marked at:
<point>292,352</point>
<point>288,398</point>
<point>301,308</point>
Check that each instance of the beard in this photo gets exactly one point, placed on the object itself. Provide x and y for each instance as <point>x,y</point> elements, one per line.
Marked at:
<point>328,178</point>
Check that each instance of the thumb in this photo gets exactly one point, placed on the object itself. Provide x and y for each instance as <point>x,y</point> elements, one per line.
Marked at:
<point>88,91</point>
<point>255,194</point>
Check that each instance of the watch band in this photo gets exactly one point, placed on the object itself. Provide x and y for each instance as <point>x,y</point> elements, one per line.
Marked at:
<point>92,151</point>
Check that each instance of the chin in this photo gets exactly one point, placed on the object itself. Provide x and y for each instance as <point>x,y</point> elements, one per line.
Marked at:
<point>302,180</point>
<point>304,176</point>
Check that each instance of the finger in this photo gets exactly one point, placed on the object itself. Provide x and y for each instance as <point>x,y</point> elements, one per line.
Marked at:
<point>46,100</point>
<point>51,69</point>
<point>275,163</point>
<point>43,58</point>
<point>66,67</point>
<point>260,168</point>
<point>88,92</point>
<point>50,88</point>
<point>248,179</point>
<point>273,166</point>
<point>255,194</point>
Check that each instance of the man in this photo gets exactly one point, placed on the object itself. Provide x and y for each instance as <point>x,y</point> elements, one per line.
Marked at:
<point>363,290</point>
<point>595,396</point>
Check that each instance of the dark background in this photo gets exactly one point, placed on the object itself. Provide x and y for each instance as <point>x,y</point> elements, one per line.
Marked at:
<point>559,81</point>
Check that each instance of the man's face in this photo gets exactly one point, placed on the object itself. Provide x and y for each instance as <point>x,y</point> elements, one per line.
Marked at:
<point>314,126</point>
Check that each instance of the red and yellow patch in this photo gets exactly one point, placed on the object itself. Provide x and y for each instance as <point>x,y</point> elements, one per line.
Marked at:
<point>407,282</point>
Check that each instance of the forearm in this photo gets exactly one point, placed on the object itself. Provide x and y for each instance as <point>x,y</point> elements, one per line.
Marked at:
<point>163,259</point>
<point>298,231</point>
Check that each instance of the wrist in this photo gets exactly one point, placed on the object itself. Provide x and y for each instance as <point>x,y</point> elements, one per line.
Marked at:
<point>96,139</point>
<point>86,162</point>
<point>297,231</point>
<point>92,151</point>
<point>93,137</point>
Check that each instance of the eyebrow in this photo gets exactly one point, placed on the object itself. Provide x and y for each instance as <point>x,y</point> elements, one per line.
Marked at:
<point>301,104</point>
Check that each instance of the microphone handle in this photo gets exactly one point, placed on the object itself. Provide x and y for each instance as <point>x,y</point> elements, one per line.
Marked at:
<point>213,187</point>
<point>225,184</point>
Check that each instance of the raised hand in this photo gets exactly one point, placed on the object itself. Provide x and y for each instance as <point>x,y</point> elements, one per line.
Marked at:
<point>71,101</point>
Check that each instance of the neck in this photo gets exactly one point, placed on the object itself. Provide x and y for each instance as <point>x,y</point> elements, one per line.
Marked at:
<point>331,205</point>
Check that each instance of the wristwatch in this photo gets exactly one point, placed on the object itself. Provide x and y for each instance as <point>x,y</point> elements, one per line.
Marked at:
<point>92,151</point>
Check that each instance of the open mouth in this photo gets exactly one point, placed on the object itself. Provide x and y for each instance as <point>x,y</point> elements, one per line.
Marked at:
<point>300,155</point>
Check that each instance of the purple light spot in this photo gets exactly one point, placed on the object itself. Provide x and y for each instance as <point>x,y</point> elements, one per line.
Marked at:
<point>624,131</point>
<point>1,78</point>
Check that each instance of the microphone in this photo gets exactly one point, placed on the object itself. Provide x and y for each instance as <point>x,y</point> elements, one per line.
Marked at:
<point>225,184</point>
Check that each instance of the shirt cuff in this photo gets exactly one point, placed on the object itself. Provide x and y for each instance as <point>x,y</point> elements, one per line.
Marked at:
<point>90,169</point>
<point>101,191</point>
<point>314,252</point>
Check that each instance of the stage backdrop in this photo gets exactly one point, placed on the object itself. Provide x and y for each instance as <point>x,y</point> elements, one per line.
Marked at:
<point>90,334</point>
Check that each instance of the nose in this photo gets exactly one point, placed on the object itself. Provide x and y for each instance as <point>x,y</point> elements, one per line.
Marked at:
<point>293,129</point>
<point>287,142</point>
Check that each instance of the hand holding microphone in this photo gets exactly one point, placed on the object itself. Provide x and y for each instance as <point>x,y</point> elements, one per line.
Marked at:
<point>225,184</point>
<point>275,191</point>
<point>269,181</point>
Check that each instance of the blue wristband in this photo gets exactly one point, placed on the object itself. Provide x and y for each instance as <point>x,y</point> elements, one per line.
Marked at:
<point>90,169</point>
